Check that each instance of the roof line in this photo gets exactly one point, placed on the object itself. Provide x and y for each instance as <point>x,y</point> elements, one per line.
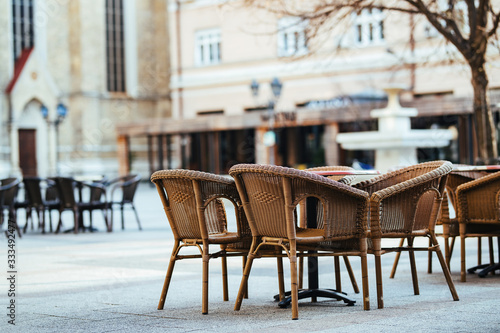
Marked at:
<point>18,68</point>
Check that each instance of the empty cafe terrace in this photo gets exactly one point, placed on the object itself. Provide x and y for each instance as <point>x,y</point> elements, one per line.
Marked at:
<point>337,248</point>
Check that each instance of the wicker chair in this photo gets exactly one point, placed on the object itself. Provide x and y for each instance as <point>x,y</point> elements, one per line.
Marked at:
<point>478,213</point>
<point>345,179</point>
<point>195,211</point>
<point>405,204</point>
<point>127,185</point>
<point>450,225</point>
<point>270,195</point>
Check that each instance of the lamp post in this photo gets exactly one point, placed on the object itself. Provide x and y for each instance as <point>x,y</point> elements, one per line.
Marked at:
<point>61,111</point>
<point>269,139</point>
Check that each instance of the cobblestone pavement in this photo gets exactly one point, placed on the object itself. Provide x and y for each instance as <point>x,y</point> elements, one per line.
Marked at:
<point>111,282</point>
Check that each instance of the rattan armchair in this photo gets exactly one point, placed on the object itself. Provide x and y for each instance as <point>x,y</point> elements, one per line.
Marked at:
<point>405,204</point>
<point>450,224</point>
<point>478,212</point>
<point>193,204</point>
<point>270,195</point>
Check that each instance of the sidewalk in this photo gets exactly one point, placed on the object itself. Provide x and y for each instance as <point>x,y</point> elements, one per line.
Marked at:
<point>111,282</point>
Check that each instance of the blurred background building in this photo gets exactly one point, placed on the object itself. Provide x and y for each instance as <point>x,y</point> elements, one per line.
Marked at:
<point>69,72</point>
<point>225,57</point>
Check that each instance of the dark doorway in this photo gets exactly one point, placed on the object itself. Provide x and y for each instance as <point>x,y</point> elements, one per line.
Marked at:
<point>27,152</point>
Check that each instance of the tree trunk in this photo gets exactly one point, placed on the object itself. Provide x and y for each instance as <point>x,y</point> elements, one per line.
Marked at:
<point>485,129</point>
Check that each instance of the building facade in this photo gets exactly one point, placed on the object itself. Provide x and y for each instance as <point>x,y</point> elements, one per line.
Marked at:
<point>70,70</point>
<point>328,86</point>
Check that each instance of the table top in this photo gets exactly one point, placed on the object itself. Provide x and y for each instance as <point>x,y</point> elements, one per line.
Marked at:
<point>477,168</point>
<point>345,172</point>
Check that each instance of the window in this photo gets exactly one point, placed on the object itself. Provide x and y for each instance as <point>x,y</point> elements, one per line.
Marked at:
<point>115,47</point>
<point>369,27</point>
<point>22,26</point>
<point>291,37</point>
<point>207,47</point>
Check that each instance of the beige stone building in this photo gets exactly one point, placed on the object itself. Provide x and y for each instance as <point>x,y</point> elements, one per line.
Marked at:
<point>85,66</point>
<point>218,48</point>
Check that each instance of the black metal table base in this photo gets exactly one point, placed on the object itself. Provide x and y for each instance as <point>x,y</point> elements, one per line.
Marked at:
<point>306,293</point>
<point>485,269</point>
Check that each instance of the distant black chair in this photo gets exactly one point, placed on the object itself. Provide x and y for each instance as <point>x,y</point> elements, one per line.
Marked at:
<point>97,201</point>
<point>36,201</point>
<point>67,201</point>
<point>8,194</point>
<point>128,186</point>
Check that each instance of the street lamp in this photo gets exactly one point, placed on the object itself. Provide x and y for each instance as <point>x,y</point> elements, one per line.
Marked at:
<point>269,139</point>
<point>61,111</point>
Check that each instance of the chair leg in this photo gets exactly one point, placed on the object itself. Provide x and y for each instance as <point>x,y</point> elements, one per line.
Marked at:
<point>492,255</point>
<point>351,275</point>
<point>364,281</point>
<point>294,284</point>
<point>77,220</point>
<point>413,266</point>
<point>244,261</point>
<point>452,246</point>
<point>396,260</point>
<point>301,272</point>
<point>123,220</point>
<point>479,252</point>
<point>28,216</point>
<point>59,224</point>
<point>429,259</point>
<point>244,279</point>
<point>225,292</point>
<point>41,219</point>
<point>168,277</point>
<point>91,228</point>
<point>13,218</point>
<point>462,253</point>
<point>111,217</point>
<point>136,216</point>
<point>281,279</point>
<point>106,219</point>
<point>205,259</point>
<point>444,267</point>
<point>378,272</point>
<point>338,281</point>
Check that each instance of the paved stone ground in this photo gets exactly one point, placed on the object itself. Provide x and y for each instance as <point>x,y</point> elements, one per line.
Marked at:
<point>111,282</point>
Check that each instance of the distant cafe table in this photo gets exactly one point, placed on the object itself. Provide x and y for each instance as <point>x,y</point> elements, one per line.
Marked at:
<point>485,268</point>
<point>313,290</point>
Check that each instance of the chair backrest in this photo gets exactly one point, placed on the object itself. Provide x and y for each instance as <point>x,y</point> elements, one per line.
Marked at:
<point>478,201</point>
<point>8,191</point>
<point>408,199</point>
<point>129,187</point>
<point>97,192</point>
<point>455,179</point>
<point>66,191</point>
<point>33,191</point>
<point>191,200</point>
<point>51,192</point>
<point>270,195</point>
